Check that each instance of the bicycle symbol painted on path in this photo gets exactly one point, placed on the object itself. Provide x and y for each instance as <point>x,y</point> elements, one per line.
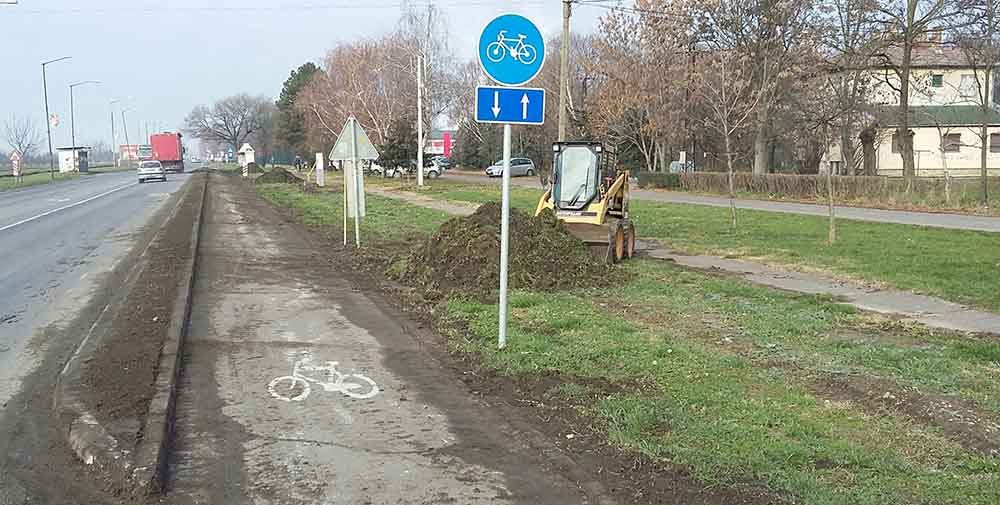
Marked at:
<point>515,47</point>
<point>296,387</point>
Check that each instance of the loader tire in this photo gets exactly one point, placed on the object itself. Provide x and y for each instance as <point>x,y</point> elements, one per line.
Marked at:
<point>629,239</point>
<point>620,241</point>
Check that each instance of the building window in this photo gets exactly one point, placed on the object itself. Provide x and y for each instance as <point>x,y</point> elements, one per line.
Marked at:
<point>937,80</point>
<point>896,146</point>
<point>995,142</point>
<point>952,142</point>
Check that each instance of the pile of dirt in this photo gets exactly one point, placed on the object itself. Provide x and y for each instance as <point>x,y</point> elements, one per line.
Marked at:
<point>278,176</point>
<point>463,256</point>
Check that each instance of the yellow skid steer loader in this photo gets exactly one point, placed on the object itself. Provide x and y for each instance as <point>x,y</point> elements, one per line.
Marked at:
<point>591,197</point>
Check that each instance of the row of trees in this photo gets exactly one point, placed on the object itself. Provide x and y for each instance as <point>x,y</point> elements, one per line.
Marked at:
<point>764,84</point>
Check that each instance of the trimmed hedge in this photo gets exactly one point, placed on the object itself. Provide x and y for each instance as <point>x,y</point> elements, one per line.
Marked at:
<point>659,180</point>
<point>880,190</point>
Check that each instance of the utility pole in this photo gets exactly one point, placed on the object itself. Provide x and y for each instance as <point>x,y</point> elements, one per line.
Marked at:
<point>114,136</point>
<point>564,72</point>
<point>420,121</point>
<point>125,130</point>
<point>48,122</point>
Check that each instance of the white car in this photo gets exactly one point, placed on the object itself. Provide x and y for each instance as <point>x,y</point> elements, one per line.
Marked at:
<point>151,170</point>
<point>518,167</point>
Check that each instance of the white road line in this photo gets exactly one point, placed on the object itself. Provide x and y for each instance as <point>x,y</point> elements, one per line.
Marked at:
<point>70,206</point>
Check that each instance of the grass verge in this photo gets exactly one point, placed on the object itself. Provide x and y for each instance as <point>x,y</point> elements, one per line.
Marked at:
<point>961,266</point>
<point>719,376</point>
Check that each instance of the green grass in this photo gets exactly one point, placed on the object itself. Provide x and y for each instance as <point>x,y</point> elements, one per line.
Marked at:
<point>725,410</point>
<point>961,266</point>
<point>386,218</point>
<point>34,179</point>
<point>717,373</point>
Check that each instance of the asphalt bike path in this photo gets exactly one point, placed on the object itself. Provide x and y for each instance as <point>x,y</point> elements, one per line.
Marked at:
<point>298,388</point>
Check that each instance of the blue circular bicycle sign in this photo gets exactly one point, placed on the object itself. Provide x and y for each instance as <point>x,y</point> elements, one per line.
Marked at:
<point>511,50</point>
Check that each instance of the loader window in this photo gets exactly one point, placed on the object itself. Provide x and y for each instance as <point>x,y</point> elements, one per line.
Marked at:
<point>577,177</point>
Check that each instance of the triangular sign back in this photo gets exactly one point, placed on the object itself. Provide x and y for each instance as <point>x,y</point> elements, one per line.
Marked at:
<point>342,149</point>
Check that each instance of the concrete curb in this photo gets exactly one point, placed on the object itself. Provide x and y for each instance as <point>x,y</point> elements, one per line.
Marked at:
<point>141,472</point>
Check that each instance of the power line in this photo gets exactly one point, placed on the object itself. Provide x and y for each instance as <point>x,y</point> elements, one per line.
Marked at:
<point>305,7</point>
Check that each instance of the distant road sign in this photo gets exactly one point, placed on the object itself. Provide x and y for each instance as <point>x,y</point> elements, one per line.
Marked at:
<point>15,164</point>
<point>511,50</point>
<point>510,105</point>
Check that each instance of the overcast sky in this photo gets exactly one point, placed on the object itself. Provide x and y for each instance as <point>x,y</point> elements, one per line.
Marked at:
<point>164,57</point>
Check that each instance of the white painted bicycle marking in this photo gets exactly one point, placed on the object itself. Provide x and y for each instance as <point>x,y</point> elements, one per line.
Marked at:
<point>298,386</point>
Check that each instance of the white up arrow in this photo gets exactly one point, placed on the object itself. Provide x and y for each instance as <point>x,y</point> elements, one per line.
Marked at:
<point>496,103</point>
<point>524,106</point>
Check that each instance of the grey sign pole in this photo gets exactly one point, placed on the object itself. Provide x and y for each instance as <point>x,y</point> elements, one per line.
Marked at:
<point>504,235</point>
<point>357,183</point>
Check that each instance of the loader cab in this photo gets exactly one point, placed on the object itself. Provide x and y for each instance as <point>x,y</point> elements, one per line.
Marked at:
<point>576,174</point>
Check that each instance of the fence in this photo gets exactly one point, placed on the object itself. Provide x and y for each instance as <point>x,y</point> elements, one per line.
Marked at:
<point>921,192</point>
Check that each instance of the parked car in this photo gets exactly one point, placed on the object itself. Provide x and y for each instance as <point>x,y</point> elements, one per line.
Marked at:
<point>518,167</point>
<point>441,163</point>
<point>151,170</point>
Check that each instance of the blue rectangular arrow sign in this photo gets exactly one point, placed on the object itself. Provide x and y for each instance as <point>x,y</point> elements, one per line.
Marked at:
<point>510,105</point>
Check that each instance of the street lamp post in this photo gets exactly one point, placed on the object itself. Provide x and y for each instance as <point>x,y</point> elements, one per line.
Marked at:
<point>114,136</point>
<point>125,129</point>
<point>48,123</point>
<point>72,117</point>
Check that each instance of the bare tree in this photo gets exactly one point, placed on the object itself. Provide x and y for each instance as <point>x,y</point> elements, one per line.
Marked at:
<point>850,42</point>
<point>905,24</point>
<point>979,43</point>
<point>725,87</point>
<point>23,135</point>
<point>775,35</point>
<point>232,120</point>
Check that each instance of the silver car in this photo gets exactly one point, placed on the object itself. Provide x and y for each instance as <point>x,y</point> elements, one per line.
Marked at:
<point>151,170</point>
<point>518,167</point>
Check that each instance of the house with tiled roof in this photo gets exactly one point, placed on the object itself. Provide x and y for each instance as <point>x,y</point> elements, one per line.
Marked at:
<point>944,114</point>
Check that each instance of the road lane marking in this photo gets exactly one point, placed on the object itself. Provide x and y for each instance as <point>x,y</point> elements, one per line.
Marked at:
<point>65,207</point>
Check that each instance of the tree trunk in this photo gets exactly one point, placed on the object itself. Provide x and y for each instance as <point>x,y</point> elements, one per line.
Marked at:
<point>761,156</point>
<point>903,128</point>
<point>847,149</point>
<point>868,151</point>
<point>984,149</point>
<point>944,166</point>
<point>732,191</point>
<point>832,236</point>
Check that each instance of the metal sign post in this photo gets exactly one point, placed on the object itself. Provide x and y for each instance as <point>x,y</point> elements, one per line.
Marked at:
<point>511,52</point>
<point>353,145</point>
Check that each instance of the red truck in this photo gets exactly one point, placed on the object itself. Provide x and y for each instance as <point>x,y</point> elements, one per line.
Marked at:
<point>168,150</point>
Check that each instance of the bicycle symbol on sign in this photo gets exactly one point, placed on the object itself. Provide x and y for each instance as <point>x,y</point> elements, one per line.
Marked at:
<point>518,50</point>
<point>296,387</point>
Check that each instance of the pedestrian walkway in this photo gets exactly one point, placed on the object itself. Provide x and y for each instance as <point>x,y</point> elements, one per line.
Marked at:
<point>936,220</point>
<point>928,310</point>
<point>298,388</point>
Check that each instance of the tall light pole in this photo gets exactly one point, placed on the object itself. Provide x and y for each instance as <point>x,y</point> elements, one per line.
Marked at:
<point>72,118</point>
<point>114,137</point>
<point>48,122</point>
<point>125,129</point>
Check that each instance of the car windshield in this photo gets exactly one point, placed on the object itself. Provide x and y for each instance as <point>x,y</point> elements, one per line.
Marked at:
<point>576,183</point>
<point>150,164</point>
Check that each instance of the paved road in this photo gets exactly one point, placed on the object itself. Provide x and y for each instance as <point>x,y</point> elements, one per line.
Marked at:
<point>937,220</point>
<point>268,301</point>
<point>58,244</point>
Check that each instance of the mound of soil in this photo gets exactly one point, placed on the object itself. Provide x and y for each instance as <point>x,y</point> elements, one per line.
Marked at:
<point>278,176</point>
<point>463,256</point>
